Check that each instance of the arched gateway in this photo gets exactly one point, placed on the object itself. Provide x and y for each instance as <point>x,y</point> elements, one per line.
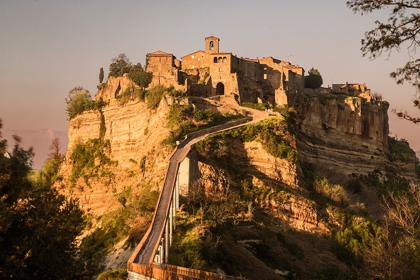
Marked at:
<point>220,89</point>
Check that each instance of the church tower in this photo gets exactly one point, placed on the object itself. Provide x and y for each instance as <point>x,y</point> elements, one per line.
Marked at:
<point>212,44</point>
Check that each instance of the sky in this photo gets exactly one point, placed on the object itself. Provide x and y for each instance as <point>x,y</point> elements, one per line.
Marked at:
<point>47,47</point>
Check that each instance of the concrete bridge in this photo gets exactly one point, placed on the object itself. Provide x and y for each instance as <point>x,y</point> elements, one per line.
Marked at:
<point>151,255</point>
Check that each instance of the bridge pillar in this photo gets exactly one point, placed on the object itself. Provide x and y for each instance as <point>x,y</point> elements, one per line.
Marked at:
<point>166,242</point>
<point>171,218</point>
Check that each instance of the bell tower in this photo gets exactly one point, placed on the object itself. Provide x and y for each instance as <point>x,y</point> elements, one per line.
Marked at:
<point>212,44</point>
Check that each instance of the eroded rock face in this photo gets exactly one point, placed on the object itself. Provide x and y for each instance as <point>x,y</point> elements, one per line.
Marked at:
<point>265,171</point>
<point>134,132</point>
<point>342,136</point>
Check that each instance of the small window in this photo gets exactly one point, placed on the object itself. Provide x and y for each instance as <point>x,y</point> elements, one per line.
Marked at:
<point>219,60</point>
<point>220,69</point>
<point>167,58</point>
<point>224,59</point>
<point>198,59</point>
<point>265,76</point>
<point>193,67</point>
<point>192,56</point>
<point>265,68</point>
<point>211,45</point>
<point>215,60</point>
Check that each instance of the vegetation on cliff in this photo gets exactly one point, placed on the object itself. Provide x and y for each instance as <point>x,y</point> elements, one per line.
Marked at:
<point>272,133</point>
<point>79,100</point>
<point>242,228</point>
<point>89,158</point>
<point>184,119</point>
<point>130,222</point>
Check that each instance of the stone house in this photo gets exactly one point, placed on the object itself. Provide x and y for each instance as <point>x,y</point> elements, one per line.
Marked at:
<point>212,72</point>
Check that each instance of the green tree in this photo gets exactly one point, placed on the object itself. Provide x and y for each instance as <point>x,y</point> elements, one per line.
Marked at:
<point>38,226</point>
<point>142,79</point>
<point>314,79</point>
<point>402,27</point>
<point>52,163</point>
<point>119,66</point>
<point>78,101</point>
<point>101,75</point>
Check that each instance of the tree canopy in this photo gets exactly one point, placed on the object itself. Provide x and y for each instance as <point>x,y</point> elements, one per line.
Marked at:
<point>119,65</point>
<point>402,28</point>
<point>38,226</point>
<point>142,79</point>
<point>78,101</point>
<point>313,79</point>
<point>101,75</point>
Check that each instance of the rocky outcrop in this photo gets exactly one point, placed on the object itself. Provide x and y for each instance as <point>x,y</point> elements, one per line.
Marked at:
<point>285,198</point>
<point>135,134</point>
<point>342,135</point>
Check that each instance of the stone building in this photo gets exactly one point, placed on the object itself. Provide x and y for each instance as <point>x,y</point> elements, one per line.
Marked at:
<point>212,72</point>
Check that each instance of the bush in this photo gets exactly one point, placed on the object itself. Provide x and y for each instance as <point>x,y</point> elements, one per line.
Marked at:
<point>113,275</point>
<point>83,158</point>
<point>256,106</point>
<point>78,101</point>
<point>335,193</point>
<point>400,150</point>
<point>142,79</point>
<point>206,116</point>
<point>154,96</point>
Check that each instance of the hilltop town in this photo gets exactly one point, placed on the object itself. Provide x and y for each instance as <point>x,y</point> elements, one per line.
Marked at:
<point>202,122</point>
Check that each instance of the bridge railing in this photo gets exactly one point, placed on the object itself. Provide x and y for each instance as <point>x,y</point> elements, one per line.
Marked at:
<point>132,261</point>
<point>167,272</point>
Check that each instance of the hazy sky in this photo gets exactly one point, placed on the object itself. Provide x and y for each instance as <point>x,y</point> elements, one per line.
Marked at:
<point>47,47</point>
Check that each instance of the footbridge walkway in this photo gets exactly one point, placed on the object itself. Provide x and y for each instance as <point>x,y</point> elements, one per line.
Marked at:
<point>149,260</point>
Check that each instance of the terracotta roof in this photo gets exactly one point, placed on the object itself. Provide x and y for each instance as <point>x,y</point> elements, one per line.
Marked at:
<point>160,53</point>
<point>220,53</point>
<point>193,53</point>
<point>212,37</point>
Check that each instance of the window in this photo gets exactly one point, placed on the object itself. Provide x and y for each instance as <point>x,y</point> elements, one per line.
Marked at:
<point>219,60</point>
<point>198,59</point>
<point>215,60</point>
<point>193,67</point>
<point>265,76</point>
<point>192,56</point>
<point>224,59</point>
<point>211,45</point>
<point>220,69</point>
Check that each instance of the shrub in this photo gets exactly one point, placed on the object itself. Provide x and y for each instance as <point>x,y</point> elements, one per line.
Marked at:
<point>84,156</point>
<point>113,275</point>
<point>78,101</point>
<point>206,116</point>
<point>142,79</point>
<point>154,96</point>
<point>399,150</point>
<point>256,106</point>
<point>335,193</point>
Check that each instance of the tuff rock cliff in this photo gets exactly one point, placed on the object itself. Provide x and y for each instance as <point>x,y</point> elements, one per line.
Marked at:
<point>340,138</point>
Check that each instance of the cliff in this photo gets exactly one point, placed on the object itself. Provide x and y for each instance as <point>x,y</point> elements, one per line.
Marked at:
<point>345,135</point>
<point>134,133</point>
